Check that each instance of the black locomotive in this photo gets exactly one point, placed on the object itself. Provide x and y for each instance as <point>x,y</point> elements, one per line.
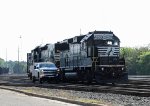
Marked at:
<point>94,56</point>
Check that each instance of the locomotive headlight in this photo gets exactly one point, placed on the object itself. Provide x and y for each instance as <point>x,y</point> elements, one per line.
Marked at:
<point>102,68</point>
<point>122,68</point>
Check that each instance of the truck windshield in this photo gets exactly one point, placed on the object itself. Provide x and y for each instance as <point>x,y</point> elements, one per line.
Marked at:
<point>47,65</point>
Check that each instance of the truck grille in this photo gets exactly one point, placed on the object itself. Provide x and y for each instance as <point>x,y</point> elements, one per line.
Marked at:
<point>50,72</point>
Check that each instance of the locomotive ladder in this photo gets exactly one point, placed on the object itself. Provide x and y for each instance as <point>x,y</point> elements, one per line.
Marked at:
<point>57,56</point>
<point>94,61</point>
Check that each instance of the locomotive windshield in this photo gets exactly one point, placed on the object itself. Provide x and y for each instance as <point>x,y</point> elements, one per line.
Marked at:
<point>106,43</point>
<point>105,40</point>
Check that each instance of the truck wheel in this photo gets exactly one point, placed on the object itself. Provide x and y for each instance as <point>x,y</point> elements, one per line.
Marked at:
<point>62,77</point>
<point>30,76</point>
<point>40,80</point>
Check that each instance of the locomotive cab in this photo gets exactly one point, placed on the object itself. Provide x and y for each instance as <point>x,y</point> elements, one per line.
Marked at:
<point>103,48</point>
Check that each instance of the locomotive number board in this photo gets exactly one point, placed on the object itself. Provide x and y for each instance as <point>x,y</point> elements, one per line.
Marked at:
<point>103,36</point>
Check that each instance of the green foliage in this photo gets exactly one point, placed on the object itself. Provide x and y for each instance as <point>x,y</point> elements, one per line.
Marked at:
<point>2,62</point>
<point>137,60</point>
<point>144,62</point>
<point>14,66</point>
<point>19,67</point>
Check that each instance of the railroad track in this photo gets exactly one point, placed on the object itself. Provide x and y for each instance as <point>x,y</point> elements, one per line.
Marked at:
<point>136,87</point>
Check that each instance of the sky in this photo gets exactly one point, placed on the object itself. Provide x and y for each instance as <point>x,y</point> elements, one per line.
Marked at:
<point>25,24</point>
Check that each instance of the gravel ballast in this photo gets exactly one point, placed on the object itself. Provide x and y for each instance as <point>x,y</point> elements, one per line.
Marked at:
<point>106,99</point>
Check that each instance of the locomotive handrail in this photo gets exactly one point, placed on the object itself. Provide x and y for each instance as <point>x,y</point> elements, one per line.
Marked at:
<point>111,65</point>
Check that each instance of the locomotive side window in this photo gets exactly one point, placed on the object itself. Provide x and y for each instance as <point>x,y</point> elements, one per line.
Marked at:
<point>116,43</point>
<point>76,48</point>
<point>67,60</point>
<point>83,45</point>
<point>89,51</point>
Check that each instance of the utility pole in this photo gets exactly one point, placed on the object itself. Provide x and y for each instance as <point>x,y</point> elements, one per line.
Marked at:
<point>20,49</point>
<point>19,54</point>
<point>6,58</point>
<point>18,58</point>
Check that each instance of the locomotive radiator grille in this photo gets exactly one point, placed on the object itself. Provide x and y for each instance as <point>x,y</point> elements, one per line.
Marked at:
<point>108,51</point>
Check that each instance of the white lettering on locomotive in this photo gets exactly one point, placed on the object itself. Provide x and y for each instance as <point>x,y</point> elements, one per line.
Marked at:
<point>103,36</point>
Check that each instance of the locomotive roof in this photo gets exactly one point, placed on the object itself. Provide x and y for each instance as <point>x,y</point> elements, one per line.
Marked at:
<point>41,47</point>
<point>44,47</point>
<point>72,40</point>
<point>36,48</point>
<point>82,38</point>
<point>89,35</point>
<point>101,32</point>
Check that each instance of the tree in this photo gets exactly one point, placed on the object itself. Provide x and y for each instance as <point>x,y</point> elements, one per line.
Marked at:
<point>14,66</point>
<point>19,68</point>
<point>2,62</point>
<point>137,60</point>
<point>144,62</point>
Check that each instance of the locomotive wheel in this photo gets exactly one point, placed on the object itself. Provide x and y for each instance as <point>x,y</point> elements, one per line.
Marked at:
<point>97,79</point>
<point>89,77</point>
<point>80,75</point>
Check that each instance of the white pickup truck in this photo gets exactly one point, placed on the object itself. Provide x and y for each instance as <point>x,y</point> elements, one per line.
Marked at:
<point>45,71</point>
